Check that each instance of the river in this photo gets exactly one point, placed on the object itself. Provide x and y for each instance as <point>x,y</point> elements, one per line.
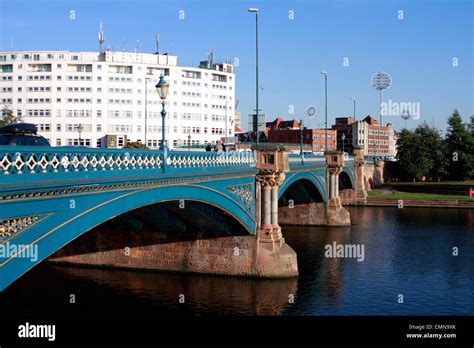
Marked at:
<point>408,254</point>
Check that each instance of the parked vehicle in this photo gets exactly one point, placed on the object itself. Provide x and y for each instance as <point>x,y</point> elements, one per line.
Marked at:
<point>21,134</point>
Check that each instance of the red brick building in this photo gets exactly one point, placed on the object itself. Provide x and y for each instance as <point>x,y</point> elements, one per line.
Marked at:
<point>345,125</point>
<point>288,132</point>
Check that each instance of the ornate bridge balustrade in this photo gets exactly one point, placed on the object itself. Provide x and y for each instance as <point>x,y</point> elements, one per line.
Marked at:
<point>29,165</point>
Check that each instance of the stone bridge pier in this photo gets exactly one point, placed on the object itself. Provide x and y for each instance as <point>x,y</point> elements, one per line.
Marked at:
<point>336,214</point>
<point>273,252</point>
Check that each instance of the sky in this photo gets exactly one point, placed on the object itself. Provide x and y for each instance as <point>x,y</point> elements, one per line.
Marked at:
<point>426,46</point>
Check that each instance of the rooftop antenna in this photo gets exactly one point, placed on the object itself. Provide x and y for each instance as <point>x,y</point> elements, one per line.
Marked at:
<point>210,58</point>
<point>157,40</point>
<point>101,38</point>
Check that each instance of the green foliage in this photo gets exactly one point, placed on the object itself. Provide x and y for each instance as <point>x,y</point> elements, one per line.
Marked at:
<point>8,117</point>
<point>435,150</point>
<point>424,153</point>
<point>460,149</point>
<point>135,145</point>
<point>412,155</point>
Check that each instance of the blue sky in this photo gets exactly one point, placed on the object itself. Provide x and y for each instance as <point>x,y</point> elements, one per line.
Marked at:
<point>417,51</point>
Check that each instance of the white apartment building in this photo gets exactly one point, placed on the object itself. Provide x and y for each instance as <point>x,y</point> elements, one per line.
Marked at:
<point>104,99</point>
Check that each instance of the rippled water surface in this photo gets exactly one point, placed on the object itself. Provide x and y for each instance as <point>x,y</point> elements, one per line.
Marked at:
<point>407,252</point>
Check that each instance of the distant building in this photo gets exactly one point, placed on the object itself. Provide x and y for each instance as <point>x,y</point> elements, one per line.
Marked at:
<point>279,123</point>
<point>377,140</point>
<point>345,125</point>
<point>237,122</point>
<point>260,121</point>
<point>288,132</point>
<point>105,99</point>
<point>471,125</point>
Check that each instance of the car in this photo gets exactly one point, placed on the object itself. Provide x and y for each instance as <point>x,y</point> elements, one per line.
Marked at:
<point>21,134</point>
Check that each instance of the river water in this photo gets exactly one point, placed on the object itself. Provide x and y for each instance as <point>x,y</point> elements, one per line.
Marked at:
<point>408,255</point>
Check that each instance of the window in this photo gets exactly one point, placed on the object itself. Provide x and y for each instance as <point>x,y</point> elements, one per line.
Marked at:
<point>58,142</point>
<point>59,66</point>
<point>58,127</point>
<point>36,57</point>
<point>99,128</point>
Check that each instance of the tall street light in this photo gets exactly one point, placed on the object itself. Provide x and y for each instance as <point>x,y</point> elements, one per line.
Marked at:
<point>354,102</point>
<point>343,139</point>
<point>325,73</point>
<point>255,10</point>
<point>79,128</point>
<point>162,88</point>
<point>301,137</point>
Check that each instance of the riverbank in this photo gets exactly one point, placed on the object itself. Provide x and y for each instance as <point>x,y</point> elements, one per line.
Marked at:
<point>419,203</point>
<point>390,196</point>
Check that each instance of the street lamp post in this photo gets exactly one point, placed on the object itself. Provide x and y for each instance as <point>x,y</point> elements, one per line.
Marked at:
<point>354,102</point>
<point>255,10</point>
<point>301,139</point>
<point>162,88</point>
<point>189,142</point>
<point>325,73</point>
<point>343,139</point>
<point>79,128</point>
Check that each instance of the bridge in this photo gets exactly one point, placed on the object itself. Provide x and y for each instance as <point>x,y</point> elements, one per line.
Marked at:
<point>201,212</point>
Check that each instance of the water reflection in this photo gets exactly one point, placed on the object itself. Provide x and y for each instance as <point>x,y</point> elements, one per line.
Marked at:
<point>407,251</point>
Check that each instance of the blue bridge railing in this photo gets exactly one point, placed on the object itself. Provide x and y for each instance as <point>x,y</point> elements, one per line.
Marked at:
<point>28,165</point>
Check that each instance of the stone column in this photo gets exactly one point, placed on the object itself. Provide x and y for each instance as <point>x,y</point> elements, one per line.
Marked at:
<point>275,205</point>
<point>360,191</point>
<point>333,174</point>
<point>336,215</point>
<point>266,203</point>
<point>269,182</point>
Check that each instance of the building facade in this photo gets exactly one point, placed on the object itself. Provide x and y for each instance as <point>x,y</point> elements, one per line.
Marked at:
<point>377,140</point>
<point>288,132</point>
<point>345,133</point>
<point>106,99</point>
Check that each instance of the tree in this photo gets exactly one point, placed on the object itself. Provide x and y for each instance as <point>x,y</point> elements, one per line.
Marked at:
<point>460,149</point>
<point>413,155</point>
<point>436,150</point>
<point>8,117</point>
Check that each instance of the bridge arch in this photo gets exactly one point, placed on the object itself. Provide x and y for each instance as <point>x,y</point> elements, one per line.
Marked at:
<point>307,183</point>
<point>346,180</point>
<point>67,228</point>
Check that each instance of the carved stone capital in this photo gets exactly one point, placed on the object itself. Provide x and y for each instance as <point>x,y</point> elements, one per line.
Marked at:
<point>270,179</point>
